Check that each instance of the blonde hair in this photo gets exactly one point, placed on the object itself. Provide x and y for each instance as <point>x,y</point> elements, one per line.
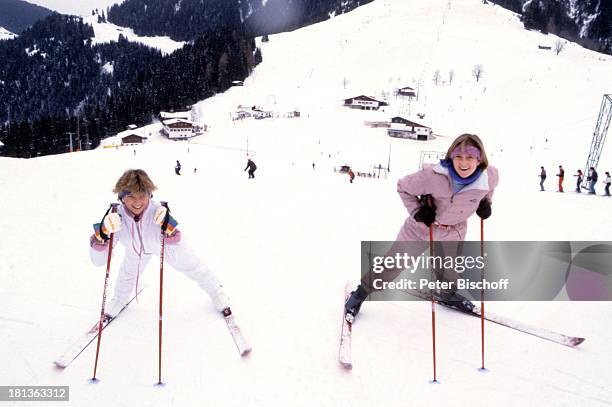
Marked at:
<point>465,140</point>
<point>135,181</point>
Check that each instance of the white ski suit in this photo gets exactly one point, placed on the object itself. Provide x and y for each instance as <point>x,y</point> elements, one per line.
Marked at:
<point>142,240</point>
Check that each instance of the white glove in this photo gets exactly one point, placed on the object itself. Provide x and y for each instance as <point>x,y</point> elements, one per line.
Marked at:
<point>112,223</point>
<point>160,215</point>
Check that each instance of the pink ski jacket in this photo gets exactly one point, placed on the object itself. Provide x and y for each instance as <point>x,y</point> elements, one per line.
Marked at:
<point>452,209</point>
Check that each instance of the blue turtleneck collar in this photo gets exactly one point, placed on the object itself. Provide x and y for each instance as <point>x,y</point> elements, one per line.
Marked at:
<point>456,178</point>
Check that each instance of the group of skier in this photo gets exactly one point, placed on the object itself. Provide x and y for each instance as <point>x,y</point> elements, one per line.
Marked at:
<point>250,167</point>
<point>591,178</point>
<point>439,200</point>
<point>441,197</point>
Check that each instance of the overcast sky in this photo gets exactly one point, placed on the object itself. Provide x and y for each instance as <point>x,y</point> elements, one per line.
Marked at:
<point>79,7</point>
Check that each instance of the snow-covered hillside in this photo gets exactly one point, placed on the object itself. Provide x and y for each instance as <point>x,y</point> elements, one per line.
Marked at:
<point>286,242</point>
<point>6,34</point>
<point>107,32</point>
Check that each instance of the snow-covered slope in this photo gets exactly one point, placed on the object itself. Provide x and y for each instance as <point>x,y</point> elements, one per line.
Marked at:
<point>107,32</point>
<point>286,242</point>
<point>390,44</point>
<point>5,34</point>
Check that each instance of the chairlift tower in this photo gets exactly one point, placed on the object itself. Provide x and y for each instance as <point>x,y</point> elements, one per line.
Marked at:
<point>430,157</point>
<point>599,135</point>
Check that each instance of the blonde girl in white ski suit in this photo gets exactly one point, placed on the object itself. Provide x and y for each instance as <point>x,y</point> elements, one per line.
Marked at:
<point>138,225</point>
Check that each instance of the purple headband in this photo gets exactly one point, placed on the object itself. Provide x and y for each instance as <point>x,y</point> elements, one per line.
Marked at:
<point>125,193</point>
<point>468,150</point>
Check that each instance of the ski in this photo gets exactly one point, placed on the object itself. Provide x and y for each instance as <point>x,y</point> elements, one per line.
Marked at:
<point>74,350</point>
<point>539,332</point>
<point>242,344</point>
<point>346,334</point>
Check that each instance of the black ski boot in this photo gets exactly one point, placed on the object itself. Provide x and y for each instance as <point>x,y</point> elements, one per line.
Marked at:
<point>353,304</point>
<point>456,301</point>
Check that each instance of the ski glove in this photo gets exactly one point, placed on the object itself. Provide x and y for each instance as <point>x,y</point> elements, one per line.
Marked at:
<point>111,223</point>
<point>427,212</point>
<point>484,209</point>
<point>160,215</point>
<point>163,218</point>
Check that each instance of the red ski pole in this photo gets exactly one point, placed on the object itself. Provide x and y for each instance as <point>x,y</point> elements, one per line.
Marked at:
<point>433,309</point>
<point>102,316</point>
<point>161,295</point>
<point>482,305</point>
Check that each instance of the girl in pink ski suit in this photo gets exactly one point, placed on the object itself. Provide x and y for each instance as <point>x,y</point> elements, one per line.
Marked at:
<point>444,196</point>
<point>138,225</point>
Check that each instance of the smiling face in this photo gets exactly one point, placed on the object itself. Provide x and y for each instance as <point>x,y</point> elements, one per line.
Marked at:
<point>465,164</point>
<point>136,202</point>
<point>467,154</point>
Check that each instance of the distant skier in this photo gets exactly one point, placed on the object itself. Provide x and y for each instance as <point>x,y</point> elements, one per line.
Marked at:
<point>561,175</point>
<point>251,167</point>
<point>542,178</point>
<point>592,178</point>
<point>607,182</point>
<point>439,198</point>
<point>138,225</point>
<point>177,168</point>
<point>580,176</point>
<point>351,175</point>
<point>313,166</point>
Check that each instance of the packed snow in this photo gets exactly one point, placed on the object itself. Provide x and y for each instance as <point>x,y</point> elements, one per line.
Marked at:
<point>285,243</point>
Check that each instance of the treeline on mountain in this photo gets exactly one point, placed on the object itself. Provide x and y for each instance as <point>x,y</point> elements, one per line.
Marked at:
<point>65,85</point>
<point>181,23</point>
<point>17,15</point>
<point>183,20</point>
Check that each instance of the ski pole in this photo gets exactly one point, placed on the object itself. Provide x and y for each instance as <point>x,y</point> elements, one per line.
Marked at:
<point>161,293</point>
<point>433,309</point>
<point>113,209</point>
<point>482,305</point>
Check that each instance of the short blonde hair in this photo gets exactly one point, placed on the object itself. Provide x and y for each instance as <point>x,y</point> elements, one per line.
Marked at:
<point>135,181</point>
<point>465,140</point>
